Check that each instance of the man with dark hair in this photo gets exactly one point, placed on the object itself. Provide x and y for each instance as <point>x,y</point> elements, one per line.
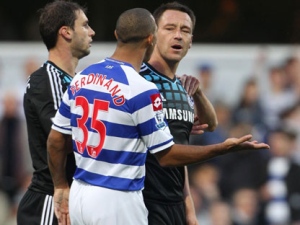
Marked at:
<point>67,35</point>
<point>109,154</point>
<point>115,117</point>
<point>166,194</point>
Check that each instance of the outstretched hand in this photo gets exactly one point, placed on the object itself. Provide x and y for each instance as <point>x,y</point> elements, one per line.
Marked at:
<point>244,143</point>
<point>61,205</point>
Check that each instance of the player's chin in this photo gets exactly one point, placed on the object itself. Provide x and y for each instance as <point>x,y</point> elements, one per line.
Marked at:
<point>84,53</point>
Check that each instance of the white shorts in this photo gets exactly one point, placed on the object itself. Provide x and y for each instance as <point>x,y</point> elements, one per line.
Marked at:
<point>97,205</point>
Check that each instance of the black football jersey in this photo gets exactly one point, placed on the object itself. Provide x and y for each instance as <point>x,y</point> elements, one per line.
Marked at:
<point>45,88</point>
<point>165,184</point>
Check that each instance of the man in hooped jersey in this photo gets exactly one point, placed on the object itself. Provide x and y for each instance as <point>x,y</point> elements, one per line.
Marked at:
<point>65,30</point>
<point>166,193</point>
<point>115,117</point>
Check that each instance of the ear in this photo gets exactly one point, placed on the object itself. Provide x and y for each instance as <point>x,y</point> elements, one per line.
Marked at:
<point>66,32</point>
<point>151,39</point>
<point>191,41</point>
<point>116,35</point>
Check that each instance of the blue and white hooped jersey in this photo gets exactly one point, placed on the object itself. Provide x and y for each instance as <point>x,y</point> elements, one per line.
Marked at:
<point>114,116</point>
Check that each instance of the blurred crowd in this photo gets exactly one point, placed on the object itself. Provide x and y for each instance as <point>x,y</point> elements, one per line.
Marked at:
<point>15,163</point>
<point>261,187</point>
<point>248,188</point>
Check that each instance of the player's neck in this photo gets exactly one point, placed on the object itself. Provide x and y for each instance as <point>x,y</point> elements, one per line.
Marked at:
<point>164,67</point>
<point>130,54</point>
<point>64,60</point>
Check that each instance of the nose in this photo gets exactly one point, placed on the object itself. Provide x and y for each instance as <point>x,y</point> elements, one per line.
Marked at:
<point>178,34</point>
<point>92,32</point>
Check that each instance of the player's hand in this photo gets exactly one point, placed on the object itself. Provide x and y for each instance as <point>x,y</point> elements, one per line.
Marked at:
<point>191,220</point>
<point>197,127</point>
<point>190,83</point>
<point>61,205</point>
<point>244,143</point>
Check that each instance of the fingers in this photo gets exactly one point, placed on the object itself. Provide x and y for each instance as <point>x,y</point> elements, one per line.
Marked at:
<point>182,79</point>
<point>186,82</point>
<point>202,126</point>
<point>190,83</point>
<point>68,220</point>
<point>57,214</point>
<point>196,119</point>
<point>198,128</point>
<point>243,143</point>
<point>245,138</point>
<point>61,209</point>
<point>247,145</point>
<point>197,132</point>
<point>194,86</point>
<point>258,145</point>
<point>261,146</point>
<point>63,218</point>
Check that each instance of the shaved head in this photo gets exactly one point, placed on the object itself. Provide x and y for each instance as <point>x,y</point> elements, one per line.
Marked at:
<point>134,25</point>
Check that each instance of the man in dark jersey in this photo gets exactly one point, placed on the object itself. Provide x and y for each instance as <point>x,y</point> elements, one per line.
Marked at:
<point>166,192</point>
<point>67,35</point>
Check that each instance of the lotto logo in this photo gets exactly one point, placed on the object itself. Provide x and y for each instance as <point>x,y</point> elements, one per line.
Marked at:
<point>156,102</point>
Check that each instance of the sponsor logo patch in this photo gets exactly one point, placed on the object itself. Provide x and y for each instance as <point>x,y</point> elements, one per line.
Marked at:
<point>158,109</point>
<point>156,102</point>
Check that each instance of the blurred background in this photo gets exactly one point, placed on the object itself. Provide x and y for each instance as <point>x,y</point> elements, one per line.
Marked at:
<point>218,21</point>
<point>246,55</point>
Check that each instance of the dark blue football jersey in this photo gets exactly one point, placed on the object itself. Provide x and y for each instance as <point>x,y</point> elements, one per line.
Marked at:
<point>165,184</point>
<point>45,88</point>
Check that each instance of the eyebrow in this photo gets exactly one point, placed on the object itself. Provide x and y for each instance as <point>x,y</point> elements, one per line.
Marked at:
<point>174,25</point>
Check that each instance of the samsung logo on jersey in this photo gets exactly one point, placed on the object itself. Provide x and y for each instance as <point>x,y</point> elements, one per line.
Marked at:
<point>178,114</point>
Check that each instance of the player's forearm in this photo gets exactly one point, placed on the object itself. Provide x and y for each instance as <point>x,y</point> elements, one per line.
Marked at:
<point>181,155</point>
<point>189,204</point>
<point>205,110</point>
<point>191,218</point>
<point>57,156</point>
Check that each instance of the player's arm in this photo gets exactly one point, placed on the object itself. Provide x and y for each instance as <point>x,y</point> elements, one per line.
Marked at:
<point>181,155</point>
<point>57,156</point>
<point>57,147</point>
<point>42,98</point>
<point>203,107</point>
<point>191,218</point>
<point>39,107</point>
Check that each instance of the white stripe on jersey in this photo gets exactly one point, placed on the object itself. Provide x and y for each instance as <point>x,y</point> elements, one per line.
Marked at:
<point>143,113</point>
<point>112,142</point>
<point>55,83</point>
<point>63,122</point>
<point>116,116</point>
<point>109,169</point>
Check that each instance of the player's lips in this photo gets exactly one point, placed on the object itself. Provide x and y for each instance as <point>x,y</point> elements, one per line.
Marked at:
<point>177,47</point>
